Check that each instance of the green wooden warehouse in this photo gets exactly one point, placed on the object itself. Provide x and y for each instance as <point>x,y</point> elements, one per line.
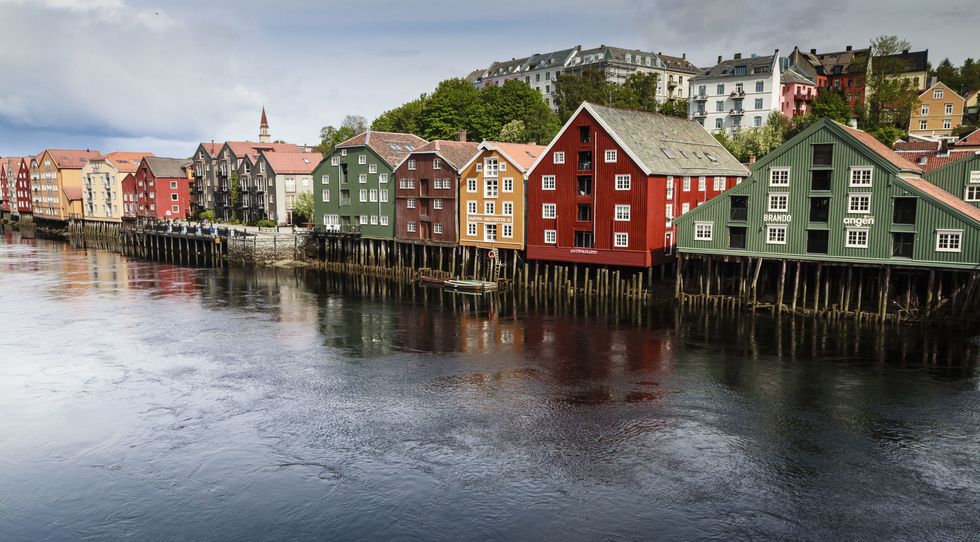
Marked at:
<point>353,191</point>
<point>960,177</point>
<point>833,222</point>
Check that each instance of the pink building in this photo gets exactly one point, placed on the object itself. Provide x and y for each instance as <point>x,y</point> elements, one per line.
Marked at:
<point>798,91</point>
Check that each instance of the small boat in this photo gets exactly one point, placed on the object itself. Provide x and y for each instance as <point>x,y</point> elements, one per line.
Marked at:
<point>438,281</point>
<point>471,285</point>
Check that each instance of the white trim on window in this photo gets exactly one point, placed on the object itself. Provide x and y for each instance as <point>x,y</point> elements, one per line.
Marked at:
<point>949,240</point>
<point>622,213</point>
<point>779,176</point>
<point>856,237</point>
<point>547,182</point>
<point>859,203</point>
<point>703,231</point>
<point>550,237</point>
<point>549,211</point>
<point>776,234</point>
<point>861,176</point>
<point>623,182</point>
<point>610,156</point>
<point>621,240</point>
<point>558,157</point>
<point>778,202</point>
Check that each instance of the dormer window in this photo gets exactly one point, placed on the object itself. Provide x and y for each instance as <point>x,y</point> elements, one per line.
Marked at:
<point>937,94</point>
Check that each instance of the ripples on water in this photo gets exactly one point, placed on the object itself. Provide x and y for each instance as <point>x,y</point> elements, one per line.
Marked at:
<point>154,402</point>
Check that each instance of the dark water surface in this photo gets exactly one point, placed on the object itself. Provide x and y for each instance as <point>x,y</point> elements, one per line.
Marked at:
<point>151,402</point>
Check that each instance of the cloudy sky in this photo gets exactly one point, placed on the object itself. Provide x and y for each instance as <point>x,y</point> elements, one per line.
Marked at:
<point>162,75</point>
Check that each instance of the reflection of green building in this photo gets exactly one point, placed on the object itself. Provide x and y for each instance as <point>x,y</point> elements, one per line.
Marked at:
<point>960,177</point>
<point>834,193</point>
<point>353,189</point>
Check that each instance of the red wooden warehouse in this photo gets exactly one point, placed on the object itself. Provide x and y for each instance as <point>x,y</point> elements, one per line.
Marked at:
<point>608,187</point>
<point>25,204</point>
<point>162,188</point>
<point>426,197</point>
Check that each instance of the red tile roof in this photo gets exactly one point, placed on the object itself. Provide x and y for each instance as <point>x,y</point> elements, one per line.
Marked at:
<point>71,159</point>
<point>390,146</point>
<point>972,138</point>
<point>73,193</point>
<point>124,162</point>
<point>944,197</point>
<point>212,148</point>
<point>455,153</point>
<point>881,149</point>
<point>301,163</point>
<point>906,146</point>
<point>242,148</point>
<point>523,156</point>
<point>935,162</point>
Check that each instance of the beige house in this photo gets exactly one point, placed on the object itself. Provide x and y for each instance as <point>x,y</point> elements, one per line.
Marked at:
<point>56,183</point>
<point>102,178</point>
<point>939,112</point>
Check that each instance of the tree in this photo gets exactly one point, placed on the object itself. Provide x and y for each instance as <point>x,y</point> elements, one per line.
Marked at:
<point>402,119</point>
<point>890,98</point>
<point>303,208</point>
<point>638,92</point>
<point>234,197</point>
<point>331,136</point>
<point>757,142</point>
<point>571,90</point>
<point>675,108</point>
<point>513,132</point>
<point>831,103</point>
<point>455,105</point>
<point>355,123</point>
<point>516,100</point>
<point>888,134</point>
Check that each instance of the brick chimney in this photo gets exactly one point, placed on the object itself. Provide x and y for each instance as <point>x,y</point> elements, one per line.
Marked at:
<point>684,56</point>
<point>719,59</point>
<point>752,159</point>
<point>462,135</point>
<point>848,48</point>
<point>813,51</point>
<point>738,56</point>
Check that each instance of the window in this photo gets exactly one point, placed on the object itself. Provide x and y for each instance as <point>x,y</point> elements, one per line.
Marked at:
<point>859,203</point>
<point>437,203</point>
<point>373,168</point>
<point>702,184</point>
<point>778,203</point>
<point>819,210</point>
<point>904,211</point>
<point>861,176</point>
<point>547,182</point>
<point>550,237</point>
<point>622,182</point>
<point>489,207</point>
<point>490,167</point>
<point>489,232</point>
<point>816,241</point>
<point>173,185</point>
<point>384,195</point>
<point>949,109</point>
<point>436,163</point>
<point>508,208</point>
<point>719,123</point>
<point>362,178</point>
<point>490,188</point>
<point>948,240</point>
<point>584,239</point>
<point>670,188</point>
<point>334,160</point>
<point>719,184</point>
<point>687,184</point>
<point>610,156</point>
<point>923,124</point>
<point>720,88</point>
<point>622,213</point>
<point>823,154</point>
<point>820,180</point>
<point>669,213</point>
<point>437,228</point>
<point>972,193</point>
<point>363,219</point>
<point>937,94</point>
<point>471,185</point>
<point>719,106</point>
<point>325,180</point>
<point>947,124</point>
<point>362,159</point>
<point>363,195</point>
<point>507,230</point>
<point>583,135</point>
<point>779,176</point>
<point>758,104</point>
<point>508,186</point>
<point>902,243</point>
<point>685,207</point>
<point>410,226</point>
<point>373,195</point>
<point>757,121</point>
<point>383,220</point>
<point>411,164</point>
<point>471,229</point>
<point>703,231</point>
<point>173,197</point>
<point>374,220</point>
<point>471,207</point>
<point>736,237</point>
<point>621,240</point>
<point>548,210</point>
<point>410,203</point>
<point>776,234</point>
<point>856,238</point>
<point>326,196</point>
<point>559,158</point>
<point>760,86</point>
<point>383,178</point>
<point>924,110</point>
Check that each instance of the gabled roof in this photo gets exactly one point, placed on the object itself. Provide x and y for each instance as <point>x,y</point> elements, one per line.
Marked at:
<point>211,148</point>
<point>555,59</point>
<point>522,156</point>
<point>753,65</point>
<point>792,76</point>
<point>972,138</point>
<point>73,193</point>
<point>843,62</point>
<point>678,63</point>
<point>166,167</point>
<point>298,163</point>
<point>939,84</point>
<point>917,146</point>
<point>124,162</point>
<point>454,153</point>
<point>935,160</point>
<point>390,146</point>
<point>11,163</point>
<point>242,148</point>
<point>70,159</point>
<point>915,61</point>
<point>880,148</point>
<point>944,197</point>
<point>506,67</point>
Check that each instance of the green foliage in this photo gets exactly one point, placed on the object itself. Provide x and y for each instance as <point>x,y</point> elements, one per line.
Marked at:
<point>757,142</point>
<point>674,108</point>
<point>303,208</point>
<point>206,215</point>
<point>638,92</point>
<point>961,79</point>
<point>331,136</point>
<point>890,99</point>
<point>265,223</point>
<point>963,130</point>
<point>888,134</point>
<point>402,119</point>
<point>234,197</point>
<point>455,105</point>
<point>831,103</point>
<point>512,132</point>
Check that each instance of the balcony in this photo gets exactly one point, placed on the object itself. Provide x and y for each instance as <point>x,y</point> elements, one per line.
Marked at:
<point>701,98</point>
<point>804,96</point>
<point>736,112</point>
<point>737,94</point>
<point>671,82</point>
<point>700,114</point>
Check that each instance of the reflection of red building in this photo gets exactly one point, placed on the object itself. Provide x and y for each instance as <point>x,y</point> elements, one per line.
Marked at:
<point>162,188</point>
<point>606,190</point>
<point>165,278</point>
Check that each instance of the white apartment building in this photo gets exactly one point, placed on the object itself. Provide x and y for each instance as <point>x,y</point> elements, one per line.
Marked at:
<point>737,93</point>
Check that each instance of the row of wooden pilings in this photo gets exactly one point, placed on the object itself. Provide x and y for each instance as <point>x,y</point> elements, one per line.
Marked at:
<point>176,248</point>
<point>827,289</point>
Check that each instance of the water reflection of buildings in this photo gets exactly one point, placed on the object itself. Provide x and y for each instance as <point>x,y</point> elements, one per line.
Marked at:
<point>161,279</point>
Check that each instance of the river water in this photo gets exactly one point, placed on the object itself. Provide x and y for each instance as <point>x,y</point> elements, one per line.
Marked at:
<point>146,401</point>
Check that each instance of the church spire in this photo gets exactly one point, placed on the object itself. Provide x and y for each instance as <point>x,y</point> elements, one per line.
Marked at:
<point>264,128</point>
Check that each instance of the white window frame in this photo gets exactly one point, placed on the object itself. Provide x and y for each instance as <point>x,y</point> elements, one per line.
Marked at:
<point>471,207</point>
<point>383,195</point>
<point>383,219</point>
<point>489,208</point>
<point>507,208</point>
<point>362,178</point>
<point>372,168</point>
<point>373,195</point>
<point>361,159</point>
<point>622,213</point>
<point>780,179</point>
<point>410,203</point>
<point>411,164</point>
<point>374,220</point>
<point>410,227</point>
<point>702,184</point>
<point>362,195</point>
<point>719,184</point>
<point>670,188</point>
<point>437,228</point>
<point>551,237</point>
<point>547,182</point>
<point>487,228</point>
<point>325,196</point>
<point>508,185</point>
<point>852,198</point>
<point>334,160</point>
<point>621,240</point>
<point>549,211</point>
<point>954,234</point>
<point>623,182</point>
<point>558,157</point>
<point>491,187</point>
<point>937,93</point>
<point>383,178</point>
<point>702,227</point>
<point>610,156</point>
<point>436,163</point>
<point>437,203</point>
<point>507,231</point>
<point>853,244</point>
<point>774,228</point>
<point>325,180</point>
<point>776,196</point>
<point>855,177</point>
<point>687,184</point>
<point>471,229</point>
<point>471,185</point>
<point>975,190</point>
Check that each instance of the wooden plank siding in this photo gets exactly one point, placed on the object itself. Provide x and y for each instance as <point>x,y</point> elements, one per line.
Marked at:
<point>931,213</point>
<point>960,178</point>
<point>424,216</point>
<point>330,176</point>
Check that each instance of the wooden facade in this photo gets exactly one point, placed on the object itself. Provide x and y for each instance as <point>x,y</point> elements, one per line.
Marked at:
<point>607,189</point>
<point>23,186</point>
<point>56,182</point>
<point>163,188</point>
<point>960,177</point>
<point>492,195</point>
